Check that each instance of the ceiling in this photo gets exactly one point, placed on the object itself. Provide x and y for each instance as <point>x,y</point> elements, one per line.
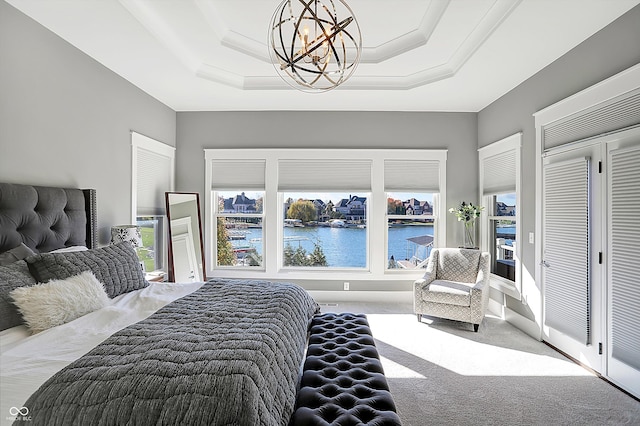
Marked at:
<point>418,55</point>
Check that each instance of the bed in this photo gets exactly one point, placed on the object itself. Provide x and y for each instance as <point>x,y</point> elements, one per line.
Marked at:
<point>220,352</point>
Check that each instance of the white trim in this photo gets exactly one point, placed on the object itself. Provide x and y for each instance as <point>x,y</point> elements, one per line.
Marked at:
<point>624,82</point>
<point>272,208</point>
<point>512,142</point>
<point>138,142</point>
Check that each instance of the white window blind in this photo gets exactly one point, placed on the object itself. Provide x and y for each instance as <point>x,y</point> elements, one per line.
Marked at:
<point>617,113</point>
<point>412,175</point>
<point>499,173</point>
<point>624,249</point>
<point>228,174</point>
<point>324,174</point>
<point>566,247</point>
<point>153,174</point>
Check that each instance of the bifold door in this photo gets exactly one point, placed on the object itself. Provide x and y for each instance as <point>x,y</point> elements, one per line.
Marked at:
<point>623,354</point>
<point>570,280</point>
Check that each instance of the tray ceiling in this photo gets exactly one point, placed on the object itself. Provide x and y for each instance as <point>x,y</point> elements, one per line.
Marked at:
<point>418,55</point>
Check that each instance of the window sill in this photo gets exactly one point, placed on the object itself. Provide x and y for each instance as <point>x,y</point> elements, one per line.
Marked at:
<point>326,274</point>
<point>505,286</point>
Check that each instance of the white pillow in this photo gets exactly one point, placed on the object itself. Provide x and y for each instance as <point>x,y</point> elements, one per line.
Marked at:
<point>59,301</point>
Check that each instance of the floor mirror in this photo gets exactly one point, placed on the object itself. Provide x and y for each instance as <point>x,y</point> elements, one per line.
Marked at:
<point>186,248</point>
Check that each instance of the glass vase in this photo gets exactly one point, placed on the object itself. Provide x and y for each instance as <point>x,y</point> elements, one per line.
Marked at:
<point>470,234</point>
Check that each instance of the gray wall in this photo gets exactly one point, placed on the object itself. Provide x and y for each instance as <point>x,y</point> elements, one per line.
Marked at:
<point>613,49</point>
<point>65,119</point>
<point>356,130</point>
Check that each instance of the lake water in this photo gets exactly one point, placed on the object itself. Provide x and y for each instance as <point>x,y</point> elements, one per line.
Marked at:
<point>345,247</point>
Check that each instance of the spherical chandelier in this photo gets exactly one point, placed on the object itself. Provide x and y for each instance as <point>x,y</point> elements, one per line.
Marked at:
<point>315,45</point>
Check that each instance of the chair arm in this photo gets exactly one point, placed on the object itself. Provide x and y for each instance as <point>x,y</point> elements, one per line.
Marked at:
<point>420,283</point>
<point>482,279</point>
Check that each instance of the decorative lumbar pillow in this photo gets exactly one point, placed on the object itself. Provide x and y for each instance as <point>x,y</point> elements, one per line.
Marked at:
<point>60,301</point>
<point>15,254</point>
<point>11,277</point>
<point>116,266</point>
<point>69,249</point>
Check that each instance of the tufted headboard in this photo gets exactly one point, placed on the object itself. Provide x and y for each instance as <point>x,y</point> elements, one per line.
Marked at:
<point>46,218</point>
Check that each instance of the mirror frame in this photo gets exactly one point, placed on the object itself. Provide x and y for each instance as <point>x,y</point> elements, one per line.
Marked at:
<point>170,265</point>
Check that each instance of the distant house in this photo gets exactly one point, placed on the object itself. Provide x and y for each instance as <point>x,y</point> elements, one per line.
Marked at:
<point>353,208</point>
<point>239,204</point>
<point>504,210</point>
<point>417,207</point>
<point>321,208</point>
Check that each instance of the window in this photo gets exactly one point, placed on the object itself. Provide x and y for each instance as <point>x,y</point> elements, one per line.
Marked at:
<point>500,194</point>
<point>321,210</point>
<point>239,217</point>
<point>237,186</point>
<point>502,235</point>
<point>152,176</point>
<point>339,239</point>
<point>411,188</point>
<point>151,230</point>
<point>410,229</point>
<point>322,229</point>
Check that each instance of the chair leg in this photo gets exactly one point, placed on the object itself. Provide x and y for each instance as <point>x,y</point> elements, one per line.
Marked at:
<point>475,327</point>
<point>419,317</point>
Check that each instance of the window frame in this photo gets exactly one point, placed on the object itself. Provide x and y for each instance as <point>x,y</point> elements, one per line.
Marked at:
<point>273,232</point>
<point>139,144</point>
<point>510,143</point>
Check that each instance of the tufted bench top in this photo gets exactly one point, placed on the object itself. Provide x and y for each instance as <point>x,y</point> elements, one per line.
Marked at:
<point>343,382</point>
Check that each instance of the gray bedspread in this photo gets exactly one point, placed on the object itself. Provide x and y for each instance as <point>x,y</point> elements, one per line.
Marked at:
<point>227,354</point>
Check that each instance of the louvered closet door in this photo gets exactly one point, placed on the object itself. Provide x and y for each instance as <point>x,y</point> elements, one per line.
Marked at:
<point>568,282</point>
<point>624,264</point>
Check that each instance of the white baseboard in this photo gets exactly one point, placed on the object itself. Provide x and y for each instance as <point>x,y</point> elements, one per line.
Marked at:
<point>495,308</point>
<point>362,296</point>
<point>522,323</point>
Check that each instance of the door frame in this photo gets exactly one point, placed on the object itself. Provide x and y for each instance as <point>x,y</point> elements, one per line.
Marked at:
<point>621,85</point>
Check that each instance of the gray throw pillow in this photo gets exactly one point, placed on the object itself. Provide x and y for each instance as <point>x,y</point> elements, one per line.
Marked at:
<point>11,277</point>
<point>116,266</point>
<point>15,254</point>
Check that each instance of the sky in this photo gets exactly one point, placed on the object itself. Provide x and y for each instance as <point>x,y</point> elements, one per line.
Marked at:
<point>335,197</point>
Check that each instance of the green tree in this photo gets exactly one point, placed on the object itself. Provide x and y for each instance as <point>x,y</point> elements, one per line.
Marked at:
<point>317,256</point>
<point>226,256</point>
<point>300,257</point>
<point>288,255</point>
<point>259,204</point>
<point>304,210</point>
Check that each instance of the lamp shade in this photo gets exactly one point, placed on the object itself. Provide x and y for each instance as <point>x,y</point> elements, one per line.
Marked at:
<point>129,233</point>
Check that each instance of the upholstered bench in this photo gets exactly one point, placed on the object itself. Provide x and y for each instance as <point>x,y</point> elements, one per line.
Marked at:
<point>343,382</point>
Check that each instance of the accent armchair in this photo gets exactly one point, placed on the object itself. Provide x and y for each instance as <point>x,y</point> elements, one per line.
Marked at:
<point>455,286</point>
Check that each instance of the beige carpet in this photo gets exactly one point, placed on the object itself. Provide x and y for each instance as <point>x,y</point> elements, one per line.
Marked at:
<point>442,373</point>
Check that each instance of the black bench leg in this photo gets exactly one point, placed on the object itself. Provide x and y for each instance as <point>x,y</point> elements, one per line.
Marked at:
<point>475,327</point>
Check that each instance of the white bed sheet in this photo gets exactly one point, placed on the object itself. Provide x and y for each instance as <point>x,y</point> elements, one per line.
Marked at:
<point>27,361</point>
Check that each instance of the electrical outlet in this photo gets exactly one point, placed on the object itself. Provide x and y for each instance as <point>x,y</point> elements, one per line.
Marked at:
<point>346,285</point>
<point>531,239</point>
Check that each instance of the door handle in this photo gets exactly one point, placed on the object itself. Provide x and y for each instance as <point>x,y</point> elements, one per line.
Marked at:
<point>545,264</point>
